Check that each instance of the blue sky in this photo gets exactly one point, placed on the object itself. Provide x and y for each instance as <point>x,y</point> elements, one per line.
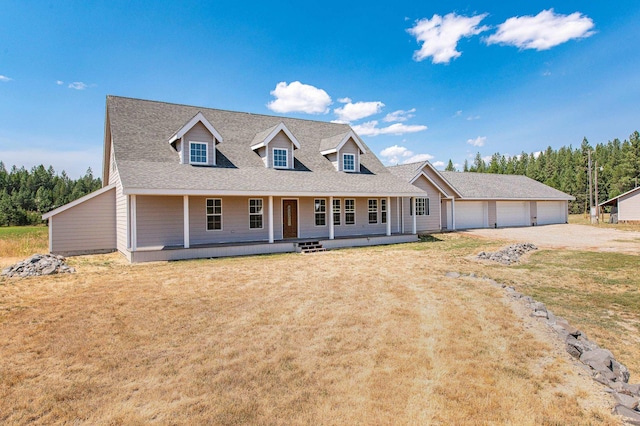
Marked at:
<point>418,80</point>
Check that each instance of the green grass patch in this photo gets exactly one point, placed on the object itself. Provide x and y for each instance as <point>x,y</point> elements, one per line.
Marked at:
<point>18,241</point>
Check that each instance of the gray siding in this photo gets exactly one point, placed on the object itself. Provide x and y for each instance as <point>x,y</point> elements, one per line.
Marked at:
<point>281,140</point>
<point>629,207</point>
<point>235,221</point>
<point>198,133</point>
<point>349,147</point>
<point>87,227</point>
<point>431,222</point>
<point>438,181</point>
<point>121,209</point>
<point>492,214</point>
<point>362,225</point>
<point>333,157</point>
<point>159,221</point>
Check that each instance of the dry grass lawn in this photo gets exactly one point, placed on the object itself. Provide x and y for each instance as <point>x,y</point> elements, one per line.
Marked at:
<point>361,336</point>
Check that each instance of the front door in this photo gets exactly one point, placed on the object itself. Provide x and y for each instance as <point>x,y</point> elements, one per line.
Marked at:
<point>289,218</point>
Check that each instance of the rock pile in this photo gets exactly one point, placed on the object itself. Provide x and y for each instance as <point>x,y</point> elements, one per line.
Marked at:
<point>38,264</point>
<point>601,362</point>
<point>508,255</point>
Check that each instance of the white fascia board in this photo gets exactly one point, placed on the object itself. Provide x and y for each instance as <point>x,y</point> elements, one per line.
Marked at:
<point>443,192</point>
<point>514,199</point>
<point>207,192</point>
<point>428,164</point>
<point>620,196</point>
<point>280,127</point>
<point>78,201</point>
<point>196,118</point>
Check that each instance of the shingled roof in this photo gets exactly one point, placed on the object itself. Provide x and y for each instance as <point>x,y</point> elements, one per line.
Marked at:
<point>497,186</point>
<point>140,131</point>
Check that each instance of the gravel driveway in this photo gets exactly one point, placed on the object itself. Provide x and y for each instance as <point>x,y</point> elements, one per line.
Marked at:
<point>576,237</point>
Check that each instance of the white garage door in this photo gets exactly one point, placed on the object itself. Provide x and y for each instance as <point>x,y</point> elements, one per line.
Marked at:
<point>551,212</point>
<point>471,214</point>
<point>513,213</point>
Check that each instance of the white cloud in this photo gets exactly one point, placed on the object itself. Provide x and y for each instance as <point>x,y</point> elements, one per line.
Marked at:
<point>479,141</point>
<point>473,117</point>
<point>439,164</point>
<point>78,85</point>
<point>370,128</point>
<point>401,155</point>
<point>351,112</point>
<point>543,31</point>
<point>440,35</point>
<point>4,78</point>
<point>486,159</point>
<point>59,82</point>
<point>399,115</point>
<point>298,97</point>
<point>457,114</point>
<point>546,73</point>
<point>537,154</point>
<point>344,100</point>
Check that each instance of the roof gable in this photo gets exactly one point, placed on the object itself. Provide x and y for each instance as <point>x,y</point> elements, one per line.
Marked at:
<point>335,143</point>
<point>263,138</point>
<point>620,196</point>
<point>198,118</point>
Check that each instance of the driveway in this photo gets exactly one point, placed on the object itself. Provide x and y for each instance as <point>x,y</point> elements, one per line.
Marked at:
<point>574,237</point>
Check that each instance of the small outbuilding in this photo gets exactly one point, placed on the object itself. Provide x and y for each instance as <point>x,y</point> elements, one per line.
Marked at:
<point>625,208</point>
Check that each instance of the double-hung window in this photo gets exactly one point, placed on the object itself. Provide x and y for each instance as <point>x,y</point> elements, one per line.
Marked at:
<point>198,152</point>
<point>214,214</point>
<point>373,211</point>
<point>422,207</point>
<point>255,213</point>
<point>336,211</point>
<point>320,208</point>
<point>280,156</point>
<point>349,162</point>
<point>383,210</point>
<point>349,212</point>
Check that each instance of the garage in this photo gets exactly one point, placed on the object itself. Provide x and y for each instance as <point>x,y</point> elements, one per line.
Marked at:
<point>551,212</point>
<point>471,214</point>
<point>513,213</point>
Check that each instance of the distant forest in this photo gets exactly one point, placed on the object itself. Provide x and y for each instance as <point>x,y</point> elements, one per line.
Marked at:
<point>26,195</point>
<point>566,169</point>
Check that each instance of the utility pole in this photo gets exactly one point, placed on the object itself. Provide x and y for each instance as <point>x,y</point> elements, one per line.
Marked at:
<point>597,207</point>
<point>590,189</point>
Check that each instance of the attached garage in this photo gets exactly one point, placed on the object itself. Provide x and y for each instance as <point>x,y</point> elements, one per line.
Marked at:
<point>550,212</point>
<point>471,214</point>
<point>513,213</point>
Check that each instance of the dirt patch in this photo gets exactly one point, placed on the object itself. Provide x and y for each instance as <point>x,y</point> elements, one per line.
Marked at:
<point>572,237</point>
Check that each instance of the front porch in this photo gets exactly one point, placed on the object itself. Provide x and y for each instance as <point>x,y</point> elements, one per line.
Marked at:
<point>205,251</point>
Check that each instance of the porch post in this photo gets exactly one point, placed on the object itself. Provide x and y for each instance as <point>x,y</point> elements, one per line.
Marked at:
<point>185,206</point>
<point>134,224</point>
<point>413,205</point>
<point>453,213</point>
<point>51,234</point>
<point>331,224</point>
<point>388,216</point>
<point>270,219</point>
<point>398,201</point>
<point>402,212</point>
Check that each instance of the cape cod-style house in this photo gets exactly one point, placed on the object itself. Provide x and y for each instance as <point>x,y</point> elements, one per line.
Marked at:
<point>186,182</point>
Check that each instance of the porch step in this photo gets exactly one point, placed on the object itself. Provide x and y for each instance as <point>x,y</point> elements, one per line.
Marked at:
<point>310,247</point>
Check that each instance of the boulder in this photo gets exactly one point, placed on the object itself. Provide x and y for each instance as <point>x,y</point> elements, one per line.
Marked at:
<point>632,417</point>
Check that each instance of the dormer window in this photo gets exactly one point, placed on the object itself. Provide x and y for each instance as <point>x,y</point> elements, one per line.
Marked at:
<point>198,153</point>
<point>280,156</point>
<point>196,142</point>
<point>343,150</point>
<point>349,162</point>
<point>275,146</point>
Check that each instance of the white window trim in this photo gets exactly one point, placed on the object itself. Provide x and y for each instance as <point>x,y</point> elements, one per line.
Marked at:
<point>333,212</point>
<point>426,210</point>
<point>315,212</point>
<point>354,212</point>
<point>355,163</point>
<point>286,158</point>
<point>256,214</point>
<point>206,153</point>
<point>369,211</point>
<point>206,215</point>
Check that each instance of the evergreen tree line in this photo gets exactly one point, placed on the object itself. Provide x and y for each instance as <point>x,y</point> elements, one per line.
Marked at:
<point>566,169</point>
<point>26,195</point>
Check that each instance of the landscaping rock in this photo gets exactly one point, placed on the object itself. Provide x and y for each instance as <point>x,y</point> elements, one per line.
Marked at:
<point>452,275</point>
<point>38,264</point>
<point>508,255</point>
<point>626,400</point>
<point>632,417</point>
